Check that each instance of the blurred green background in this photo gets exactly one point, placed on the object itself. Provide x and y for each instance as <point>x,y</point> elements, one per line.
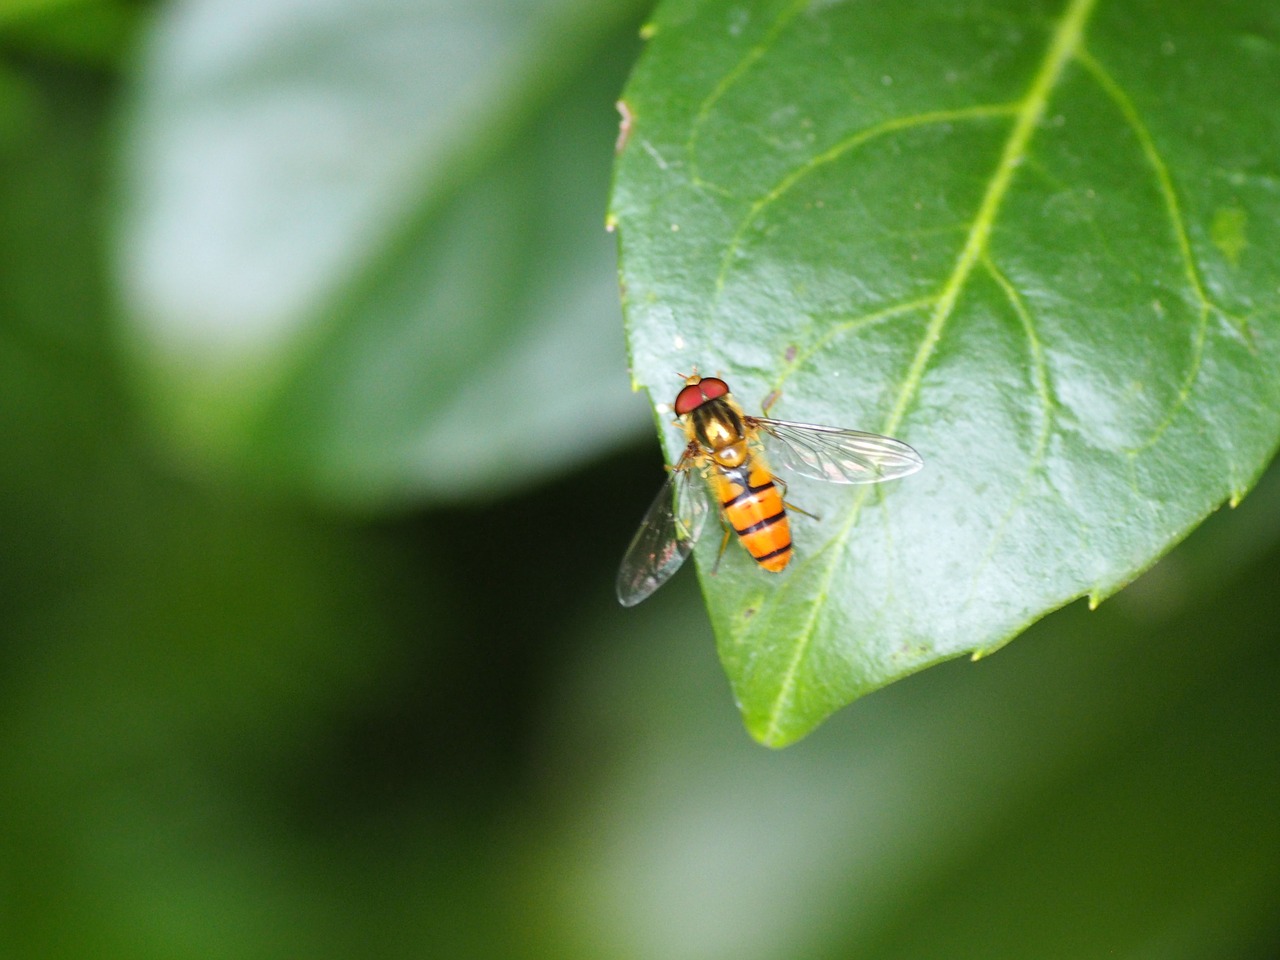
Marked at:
<point>250,709</point>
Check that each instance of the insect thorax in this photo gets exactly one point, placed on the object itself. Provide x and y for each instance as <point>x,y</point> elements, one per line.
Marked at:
<point>716,426</point>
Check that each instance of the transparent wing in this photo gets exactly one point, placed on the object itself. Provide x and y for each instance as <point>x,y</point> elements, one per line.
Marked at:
<point>839,456</point>
<point>666,535</point>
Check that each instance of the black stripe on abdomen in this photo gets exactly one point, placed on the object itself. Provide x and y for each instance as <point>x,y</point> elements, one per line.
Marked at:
<point>775,553</point>
<point>762,525</point>
<point>747,492</point>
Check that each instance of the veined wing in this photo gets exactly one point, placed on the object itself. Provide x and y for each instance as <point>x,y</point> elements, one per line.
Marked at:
<point>835,455</point>
<point>666,535</point>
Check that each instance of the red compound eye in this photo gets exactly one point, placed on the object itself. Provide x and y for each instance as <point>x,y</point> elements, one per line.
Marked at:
<point>689,399</point>
<point>696,394</point>
<point>712,387</point>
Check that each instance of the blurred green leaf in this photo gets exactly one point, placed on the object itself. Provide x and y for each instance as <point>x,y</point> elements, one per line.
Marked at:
<point>26,10</point>
<point>95,32</point>
<point>362,244</point>
<point>1038,241</point>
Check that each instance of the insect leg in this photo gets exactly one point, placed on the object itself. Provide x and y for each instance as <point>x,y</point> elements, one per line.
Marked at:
<point>687,459</point>
<point>791,506</point>
<point>723,544</point>
<point>801,510</point>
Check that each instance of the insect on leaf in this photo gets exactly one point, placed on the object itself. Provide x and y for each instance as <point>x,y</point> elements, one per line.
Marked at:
<point>1037,241</point>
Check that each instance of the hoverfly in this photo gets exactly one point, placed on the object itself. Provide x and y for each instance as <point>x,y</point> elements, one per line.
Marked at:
<point>726,448</point>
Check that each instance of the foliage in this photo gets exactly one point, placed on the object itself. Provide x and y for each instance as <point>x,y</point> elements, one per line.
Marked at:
<point>316,724</point>
<point>1037,241</point>
<point>369,281</point>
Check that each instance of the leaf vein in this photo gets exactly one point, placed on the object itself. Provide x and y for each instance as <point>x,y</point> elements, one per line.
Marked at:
<point>728,80</point>
<point>1040,374</point>
<point>848,326</point>
<point>1064,43</point>
<point>1173,209</point>
<point>838,150</point>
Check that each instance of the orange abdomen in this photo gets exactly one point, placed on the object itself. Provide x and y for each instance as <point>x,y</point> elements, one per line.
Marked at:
<point>753,506</point>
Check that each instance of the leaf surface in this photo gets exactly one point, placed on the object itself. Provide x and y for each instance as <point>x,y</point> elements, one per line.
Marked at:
<point>1037,241</point>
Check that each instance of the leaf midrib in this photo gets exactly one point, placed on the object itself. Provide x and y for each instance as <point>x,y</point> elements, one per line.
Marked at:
<point>1066,40</point>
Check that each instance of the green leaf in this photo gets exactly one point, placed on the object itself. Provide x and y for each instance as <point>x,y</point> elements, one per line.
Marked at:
<point>362,243</point>
<point>1037,241</point>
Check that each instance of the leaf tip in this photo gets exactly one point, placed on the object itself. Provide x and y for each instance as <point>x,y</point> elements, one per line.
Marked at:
<point>770,736</point>
<point>774,728</point>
